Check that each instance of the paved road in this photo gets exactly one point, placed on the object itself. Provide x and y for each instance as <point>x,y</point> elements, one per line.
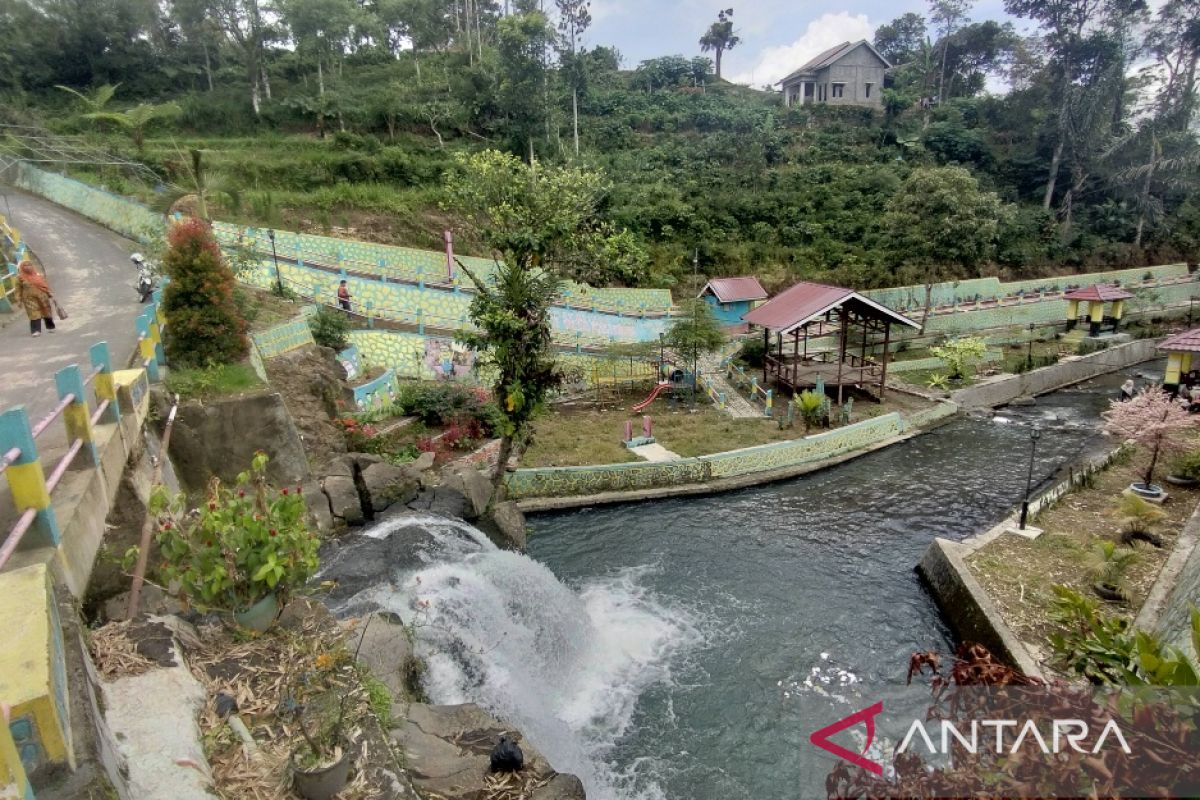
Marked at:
<point>89,270</point>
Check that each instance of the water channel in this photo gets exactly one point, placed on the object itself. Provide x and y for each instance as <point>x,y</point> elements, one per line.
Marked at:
<point>685,649</point>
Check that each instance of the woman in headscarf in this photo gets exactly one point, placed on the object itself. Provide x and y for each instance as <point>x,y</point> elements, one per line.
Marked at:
<point>34,293</point>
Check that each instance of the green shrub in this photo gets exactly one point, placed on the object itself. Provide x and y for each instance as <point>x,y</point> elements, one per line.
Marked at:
<point>437,404</point>
<point>1187,466</point>
<point>753,352</point>
<point>203,323</point>
<point>330,328</point>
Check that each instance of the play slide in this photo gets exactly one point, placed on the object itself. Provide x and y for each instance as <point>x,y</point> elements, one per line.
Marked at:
<point>657,391</point>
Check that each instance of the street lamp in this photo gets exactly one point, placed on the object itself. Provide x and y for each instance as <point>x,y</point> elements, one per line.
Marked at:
<point>662,353</point>
<point>275,259</point>
<point>1029,356</point>
<point>695,326</point>
<point>1034,434</point>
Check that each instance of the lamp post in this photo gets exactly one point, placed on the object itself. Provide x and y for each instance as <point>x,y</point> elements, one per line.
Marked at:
<point>662,353</point>
<point>1029,355</point>
<point>275,259</point>
<point>1034,434</point>
<point>695,327</point>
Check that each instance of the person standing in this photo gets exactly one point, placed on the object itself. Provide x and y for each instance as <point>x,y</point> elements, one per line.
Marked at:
<point>34,293</point>
<point>1127,389</point>
<point>343,295</point>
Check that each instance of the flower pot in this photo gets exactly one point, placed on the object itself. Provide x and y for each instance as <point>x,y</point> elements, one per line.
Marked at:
<point>1150,491</point>
<point>260,616</point>
<point>322,783</point>
<point>1109,592</point>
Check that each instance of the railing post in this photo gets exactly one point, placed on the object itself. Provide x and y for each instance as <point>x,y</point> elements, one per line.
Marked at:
<point>155,323</point>
<point>26,478</point>
<point>106,389</point>
<point>770,401</point>
<point>146,348</point>
<point>69,381</point>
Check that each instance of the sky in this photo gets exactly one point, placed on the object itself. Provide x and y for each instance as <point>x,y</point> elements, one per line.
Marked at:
<point>777,35</point>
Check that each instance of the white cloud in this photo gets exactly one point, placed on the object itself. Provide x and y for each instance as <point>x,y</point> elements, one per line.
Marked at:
<point>774,63</point>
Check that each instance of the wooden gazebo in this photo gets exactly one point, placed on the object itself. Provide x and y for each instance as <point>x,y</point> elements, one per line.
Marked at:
<point>1180,349</point>
<point>816,330</point>
<point>1094,299</point>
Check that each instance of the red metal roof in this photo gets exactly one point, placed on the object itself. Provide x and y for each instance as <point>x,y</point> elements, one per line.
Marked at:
<point>733,290</point>
<point>1188,341</point>
<point>1100,292</point>
<point>806,301</point>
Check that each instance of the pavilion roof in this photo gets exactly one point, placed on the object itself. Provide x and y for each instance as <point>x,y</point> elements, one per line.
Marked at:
<point>806,302</point>
<point>1188,341</point>
<point>1098,293</point>
<point>733,290</point>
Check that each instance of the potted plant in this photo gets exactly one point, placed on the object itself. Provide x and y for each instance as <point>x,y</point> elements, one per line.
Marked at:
<point>1109,565</point>
<point>1153,420</point>
<point>242,551</point>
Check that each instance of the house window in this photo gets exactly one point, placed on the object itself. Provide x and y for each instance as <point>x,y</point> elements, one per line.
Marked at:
<point>867,90</point>
<point>837,89</point>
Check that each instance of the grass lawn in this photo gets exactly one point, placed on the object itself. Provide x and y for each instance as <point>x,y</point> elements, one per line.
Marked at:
<point>207,382</point>
<point>1019,573</point>
<point>585,433</point>
<point>263,309</point>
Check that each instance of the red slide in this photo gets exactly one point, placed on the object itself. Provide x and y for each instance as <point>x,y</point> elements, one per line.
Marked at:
<point>657,391</point>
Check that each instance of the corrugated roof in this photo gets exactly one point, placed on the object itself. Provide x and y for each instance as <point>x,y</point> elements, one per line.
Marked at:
<point>1188,341</point>
<point>806,301</point>
<point>831,55</point>
<point>1100,292</point>
<point>734,290</point>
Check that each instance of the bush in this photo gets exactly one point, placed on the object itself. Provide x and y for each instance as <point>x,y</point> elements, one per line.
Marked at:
<point>441,403</point>
<point>1187,466</point>
<point>330,328</point>
<point>753,352</point>
<point>243,544</point>
<point>203,323</point>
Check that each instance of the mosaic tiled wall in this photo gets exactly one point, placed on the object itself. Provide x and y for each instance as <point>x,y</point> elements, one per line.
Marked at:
<point>402,352</point>
<point>425,266</point>
<point>283,338</point>
<point>376,392</point>
<point>118,213</point>
<point>991,356</point>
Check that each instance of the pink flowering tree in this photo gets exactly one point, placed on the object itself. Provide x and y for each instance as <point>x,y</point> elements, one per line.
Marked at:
<point>1152,419</point>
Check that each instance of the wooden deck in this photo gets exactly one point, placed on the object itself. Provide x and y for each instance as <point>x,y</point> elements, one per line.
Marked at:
<point>798,372</point>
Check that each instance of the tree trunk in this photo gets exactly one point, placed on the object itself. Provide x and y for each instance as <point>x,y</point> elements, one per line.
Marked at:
<point>254,102</point>
<point>928,303</point>
<point>320,78</point>
<point>942,71</point>
<point>417,63</point>
<point>208,66</point>
<point>1144,199</point>
<point>506,448</point>
<point>1052,177</point>
<point>266,82</point>
<point>718,64</point>
<point>575,115</point>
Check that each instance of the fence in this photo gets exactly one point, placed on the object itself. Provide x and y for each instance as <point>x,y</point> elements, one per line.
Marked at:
<point>283,338</point>
<point>742,380</point>
<point>31,482</point>
<point>12,249</point>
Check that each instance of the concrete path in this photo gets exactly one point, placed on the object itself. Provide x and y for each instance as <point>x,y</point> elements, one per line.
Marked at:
<point>89,270</point>
<point>654,452</point>
<point>736,405</point>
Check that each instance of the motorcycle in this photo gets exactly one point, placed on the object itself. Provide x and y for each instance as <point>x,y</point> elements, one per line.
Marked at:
<point>146,279</point>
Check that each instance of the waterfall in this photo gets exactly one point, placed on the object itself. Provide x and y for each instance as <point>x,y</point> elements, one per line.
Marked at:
<point>565,666</point>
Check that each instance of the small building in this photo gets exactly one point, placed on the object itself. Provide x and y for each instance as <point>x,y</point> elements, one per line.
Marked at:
<point>1180,367</point>
<point>850,74</point>
<point>730,298</point>
<point>816,331</point>
<point>1094,299</point>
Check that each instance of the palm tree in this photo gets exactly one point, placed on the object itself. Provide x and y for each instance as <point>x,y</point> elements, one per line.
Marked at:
<point>720,37</point>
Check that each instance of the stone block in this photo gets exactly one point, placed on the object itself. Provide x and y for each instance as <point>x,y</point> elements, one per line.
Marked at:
<point>344,503</point>
<point>33,672</point>
<point>387,485</point>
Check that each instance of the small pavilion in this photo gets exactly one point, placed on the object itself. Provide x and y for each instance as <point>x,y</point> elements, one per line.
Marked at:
<point>816,331</point>
<point>1095,297</point>
<point>1179,349</point>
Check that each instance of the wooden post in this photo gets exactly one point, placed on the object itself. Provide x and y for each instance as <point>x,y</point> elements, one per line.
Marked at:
<point>766,353</point>
<point>796,354</point>
<point>842,349</point>
<point>887,340</point>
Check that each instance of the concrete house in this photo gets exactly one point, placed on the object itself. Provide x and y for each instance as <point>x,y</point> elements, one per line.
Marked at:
<point>729,298</point>
<point>850,74</point>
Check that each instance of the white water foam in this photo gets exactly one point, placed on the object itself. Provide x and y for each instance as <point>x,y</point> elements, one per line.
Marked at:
<point>566,668</point>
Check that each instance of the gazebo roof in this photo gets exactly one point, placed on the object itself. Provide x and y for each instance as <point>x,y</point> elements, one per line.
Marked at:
<point>1188,341</point>
<point>734,290</point>
<point>806,302</point>
<point>1099,293</point>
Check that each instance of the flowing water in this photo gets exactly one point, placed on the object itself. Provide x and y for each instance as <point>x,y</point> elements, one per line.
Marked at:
<point>686,649</point>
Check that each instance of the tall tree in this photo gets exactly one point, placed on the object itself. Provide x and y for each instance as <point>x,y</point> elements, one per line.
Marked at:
<point>900,40</point>
<point>242,23</point>
<point>720,37</point>
<point>1174,42</point>
<point>947,16</point>
<point>524,38</point>
<point>574,17</point>
<point>536,220</point>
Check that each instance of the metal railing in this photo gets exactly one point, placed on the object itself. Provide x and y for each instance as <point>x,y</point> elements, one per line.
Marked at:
<point>742,380</point>
<point>30,480</point>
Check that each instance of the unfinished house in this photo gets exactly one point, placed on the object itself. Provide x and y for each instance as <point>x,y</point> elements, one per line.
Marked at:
<point>850,74</point>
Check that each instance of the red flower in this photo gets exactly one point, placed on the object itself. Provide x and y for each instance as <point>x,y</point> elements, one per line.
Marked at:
<point>212,506</point>
<point>241,492</point>
<point>299,490</point>
<point>285,491</point>
<point>166,526</point>
<point>274,532</point>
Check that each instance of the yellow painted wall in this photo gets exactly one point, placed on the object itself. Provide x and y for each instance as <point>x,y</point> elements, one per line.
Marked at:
<point>33,670</point>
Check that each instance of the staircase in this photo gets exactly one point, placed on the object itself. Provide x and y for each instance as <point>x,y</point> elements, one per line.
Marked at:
<point>736,405</point>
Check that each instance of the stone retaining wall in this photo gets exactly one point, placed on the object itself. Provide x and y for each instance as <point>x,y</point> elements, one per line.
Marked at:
<point>1167,610</point>
<point>991,393</point>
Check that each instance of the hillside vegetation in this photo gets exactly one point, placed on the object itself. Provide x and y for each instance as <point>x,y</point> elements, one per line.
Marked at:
<point>322,116</point>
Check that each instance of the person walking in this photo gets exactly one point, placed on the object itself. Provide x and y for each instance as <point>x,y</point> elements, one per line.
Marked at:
<point>1127,389</point>
<point>34,293</point>
<point>343,295</point>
